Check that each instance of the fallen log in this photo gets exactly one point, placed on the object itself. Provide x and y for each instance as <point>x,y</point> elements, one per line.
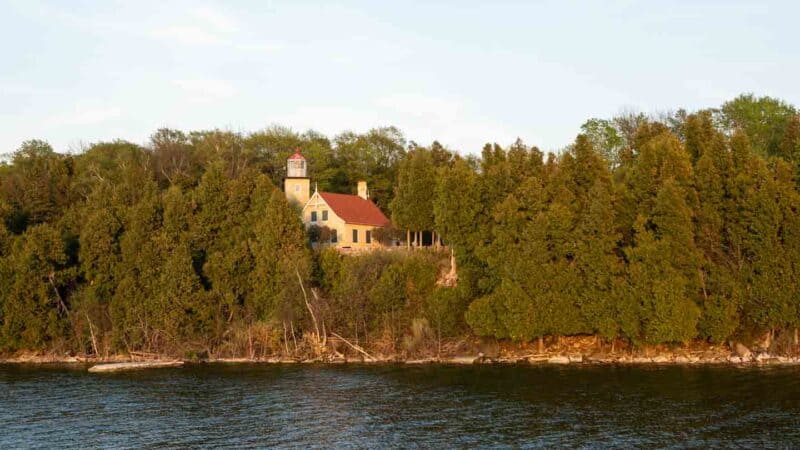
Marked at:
<point>119,367</point>
<point>355,347</point>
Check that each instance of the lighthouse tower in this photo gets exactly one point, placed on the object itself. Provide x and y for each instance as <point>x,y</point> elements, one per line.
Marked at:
<point>297,185</point>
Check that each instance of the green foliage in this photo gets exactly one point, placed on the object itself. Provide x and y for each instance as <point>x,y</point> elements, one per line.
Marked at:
<point>483,316</point>
<point>656,230</point>
<point>412,206</point>
<point>380,293</point>
<point>605,138</point>
<point>34,305</point>
<point>663,269</point>
<point>762,119</point>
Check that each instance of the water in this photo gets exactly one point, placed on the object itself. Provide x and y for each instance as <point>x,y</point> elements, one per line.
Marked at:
<point>399,406</point>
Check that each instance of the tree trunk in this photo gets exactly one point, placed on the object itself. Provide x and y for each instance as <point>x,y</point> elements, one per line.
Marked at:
<point>394,349</point>
<point>94,340</point>
<point>250,343</point>
<point>541,344</point>
<point>294,337</point>
<point>285,338</point>
<point>408,239</point>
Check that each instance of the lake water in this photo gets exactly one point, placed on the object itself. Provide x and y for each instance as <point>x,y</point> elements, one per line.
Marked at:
<point>387,406</point>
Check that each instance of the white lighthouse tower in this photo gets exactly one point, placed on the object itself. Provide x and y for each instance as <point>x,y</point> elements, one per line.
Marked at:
<point>297,185</point>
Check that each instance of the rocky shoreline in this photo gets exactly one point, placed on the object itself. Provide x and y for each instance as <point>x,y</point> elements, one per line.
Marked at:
<point>580,350</point>
<point>760,359</point>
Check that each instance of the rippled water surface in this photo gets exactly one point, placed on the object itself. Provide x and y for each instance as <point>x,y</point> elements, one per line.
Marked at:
<point>400,406</point>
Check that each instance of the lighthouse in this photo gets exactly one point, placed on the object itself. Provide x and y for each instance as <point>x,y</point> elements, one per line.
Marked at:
<point>297,185</point>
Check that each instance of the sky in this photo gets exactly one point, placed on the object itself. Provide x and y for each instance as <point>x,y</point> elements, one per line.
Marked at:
<point>461,72</point>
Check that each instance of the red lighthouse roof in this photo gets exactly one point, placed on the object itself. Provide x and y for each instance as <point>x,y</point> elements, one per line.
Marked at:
<point>297,155</point>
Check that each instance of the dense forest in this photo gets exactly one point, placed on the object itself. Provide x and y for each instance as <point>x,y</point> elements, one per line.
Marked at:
<point>647,229</point>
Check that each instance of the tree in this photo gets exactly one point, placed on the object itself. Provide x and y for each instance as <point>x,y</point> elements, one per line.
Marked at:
<point>36,188</point>
<point>35,307</point>
<point>412,206</point>
<point>456,204</point>
<point>663,269</point>
<point>762,119</point>
<point>374,157</point>
<point>604,137</point>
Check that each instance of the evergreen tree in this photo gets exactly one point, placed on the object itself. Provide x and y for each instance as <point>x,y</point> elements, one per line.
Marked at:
<point>35,306</point>
<point>412,206</point>
<point>663,269</point>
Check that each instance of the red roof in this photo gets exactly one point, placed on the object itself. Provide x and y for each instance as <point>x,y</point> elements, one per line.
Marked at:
<point>354,209</point>
<point>297,155</point>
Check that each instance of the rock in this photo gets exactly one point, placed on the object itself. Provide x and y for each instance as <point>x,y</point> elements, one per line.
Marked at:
<point>463,360</point>
<point>682,360</point>
<point>741,350</point>
<point>661,359</point>
<point>735,359</point>
<point>558,360</point>
<point>762,357</point>
<point>641,360</point>
<point>576,359</point>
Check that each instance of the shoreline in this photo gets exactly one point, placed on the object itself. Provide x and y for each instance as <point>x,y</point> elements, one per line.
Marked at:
<point>531,360</point>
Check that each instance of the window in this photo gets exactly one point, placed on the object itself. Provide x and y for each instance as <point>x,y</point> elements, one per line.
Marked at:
<point>325,215</point>
<point>355,236</point>
<point>334,238</point>
<point>313,216</point>
<point>369,236</point>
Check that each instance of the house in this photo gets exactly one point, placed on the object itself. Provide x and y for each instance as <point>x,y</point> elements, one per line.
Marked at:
<point>351,219</point>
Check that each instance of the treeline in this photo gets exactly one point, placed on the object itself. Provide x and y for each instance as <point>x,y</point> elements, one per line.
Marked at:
<point>649,229</point>
<point>655,230</point>
<point>183,245</point>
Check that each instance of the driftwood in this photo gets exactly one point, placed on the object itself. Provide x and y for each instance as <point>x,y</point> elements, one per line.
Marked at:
<point>119,367</point>
<point>150,355</point>
<point>354,346</point>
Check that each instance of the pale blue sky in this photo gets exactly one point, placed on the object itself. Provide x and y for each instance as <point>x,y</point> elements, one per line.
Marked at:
<point>75,72</point>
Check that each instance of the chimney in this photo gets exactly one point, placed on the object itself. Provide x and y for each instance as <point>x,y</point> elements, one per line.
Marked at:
<point>362,190</point>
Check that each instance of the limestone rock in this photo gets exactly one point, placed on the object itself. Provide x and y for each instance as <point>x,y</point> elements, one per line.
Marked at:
<point>576,359</point>
<point>558,360</point>
<point>761,357</point>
